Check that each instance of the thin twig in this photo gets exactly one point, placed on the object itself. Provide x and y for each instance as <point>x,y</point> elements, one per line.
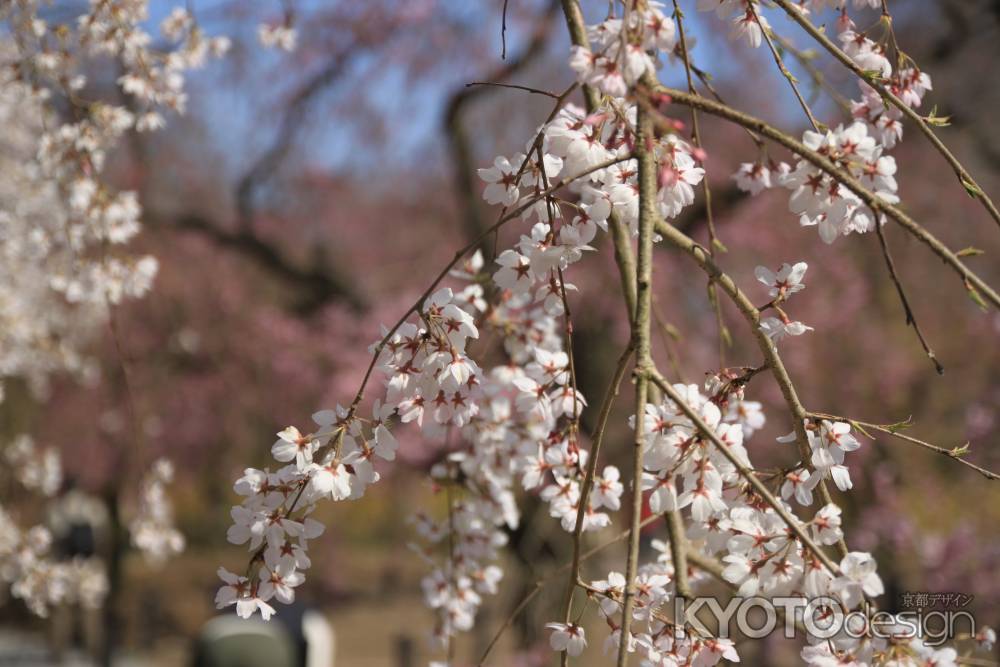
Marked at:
<point>713,239</point>
<point>588,481</point>
<point>529,89</point>
<point>818,77</point>
<point>503,32</point>
<point>955,453</point>
<point>459,254</point>
<point>540,583</point>
<point>773,361</point>
<point>911,320</point>
<point>766,32</point>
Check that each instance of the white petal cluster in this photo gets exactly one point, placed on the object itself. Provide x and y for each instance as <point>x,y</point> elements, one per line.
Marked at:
<point>745,23</point>
<point>621,49</point>
<point>39,580</point>
<point>38,470</point>
<point>27,565</point>
<point>786,281</point>
<point>63,229</point>
<point>820,200</point>
<point>568,637</point>
<point>885,122</point>
<point>583,142</point>
<point>859,149</point>
<point>277,36</point>
<point>152,529</point>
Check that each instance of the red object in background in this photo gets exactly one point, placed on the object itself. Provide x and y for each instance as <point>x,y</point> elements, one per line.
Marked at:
<point>646,513</point>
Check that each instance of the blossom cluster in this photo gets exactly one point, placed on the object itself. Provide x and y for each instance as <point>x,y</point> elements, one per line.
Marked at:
<point>858,149</point>
<point>818,198</point>
<point>28,567</point>
<point>63,228</point>
<point>782,284</point>
<point>64,231</point>
<point>38,470</point>
<point>333,462</point>
<point>152,528</point>
<point>41,581</point>
<point>722,514</point>
<point>622,49</point>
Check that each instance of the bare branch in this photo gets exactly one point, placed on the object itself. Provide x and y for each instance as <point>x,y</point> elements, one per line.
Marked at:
<point>910,318</point>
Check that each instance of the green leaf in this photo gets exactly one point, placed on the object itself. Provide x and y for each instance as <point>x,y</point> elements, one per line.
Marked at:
<point>971,188</point>
<point>900,426</point>
<point>937,121</point>
<point>977,297</point>
<point>970,252</point>
<point>959,451</point>
<point>858,427</point>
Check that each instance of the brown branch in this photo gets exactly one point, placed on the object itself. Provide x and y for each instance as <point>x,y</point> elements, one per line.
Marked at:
<point>973,282</point>
<point>619,233</point>
<point>588,481</point>
<point>418,305</point>
<point>713,241</point>
<point>315,286</point>
<point>772,359</point>
<point>766,32</point>
<point>910,318</point>
<point>540,583</point>
<point>644,360</point>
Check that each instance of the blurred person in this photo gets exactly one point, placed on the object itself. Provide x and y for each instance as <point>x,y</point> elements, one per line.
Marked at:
<point>80,525</point>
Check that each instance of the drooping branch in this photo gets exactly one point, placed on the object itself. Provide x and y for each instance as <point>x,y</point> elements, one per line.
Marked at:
<point>911,319</point>
<point>766,32</point>
<point>699,560</point>
<point>644,360</point>
<point>588,481</point>
<point>713,241</point>
<point>619,233</point>
<point>772,359</point>
<point>504,218</point>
